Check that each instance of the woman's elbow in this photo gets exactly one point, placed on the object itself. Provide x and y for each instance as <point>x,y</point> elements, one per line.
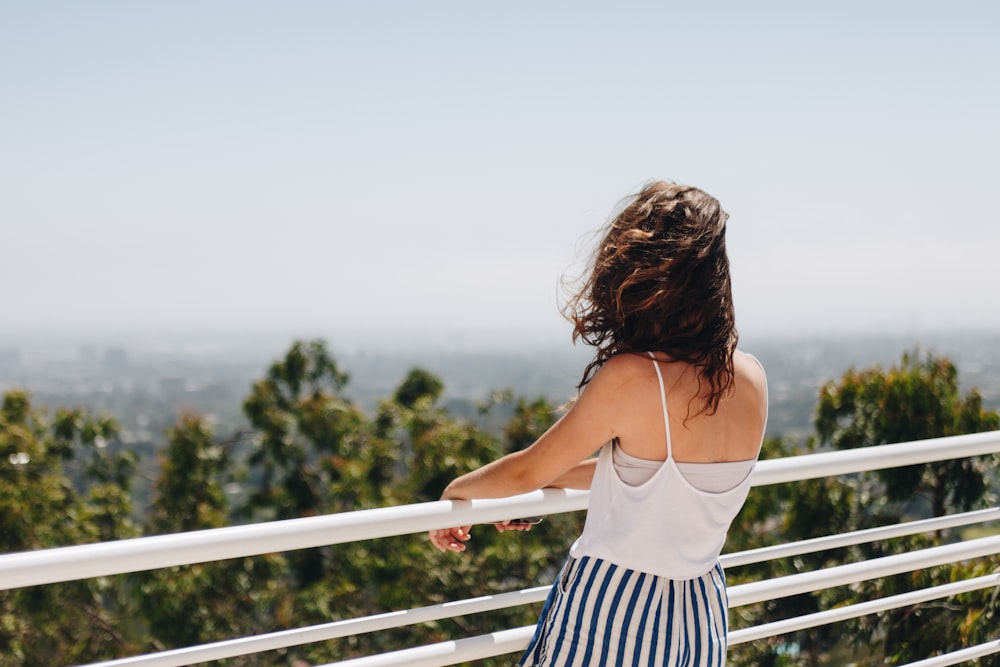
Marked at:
<point>524,478</point>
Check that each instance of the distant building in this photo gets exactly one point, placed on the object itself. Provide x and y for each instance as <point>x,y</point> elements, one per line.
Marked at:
<point>172,386</point>
<point>88,355</point>
<point>115,360</point>
<point>10,361</point>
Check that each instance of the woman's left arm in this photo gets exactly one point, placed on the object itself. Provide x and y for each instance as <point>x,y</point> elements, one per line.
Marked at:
<point>557,458</point>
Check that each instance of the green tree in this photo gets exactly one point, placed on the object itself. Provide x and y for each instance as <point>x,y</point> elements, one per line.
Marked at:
<point>530,418</point>
<point>105,470</point>
<point>432,448</point>
<point>302,421</point>
<point>40,507</point>
<point>407,453</point>
<point>419,384</point>
<point>185,606</point>
<point>916,399</point>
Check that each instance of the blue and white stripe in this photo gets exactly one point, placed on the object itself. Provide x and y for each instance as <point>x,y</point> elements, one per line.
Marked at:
<point>599,613</point>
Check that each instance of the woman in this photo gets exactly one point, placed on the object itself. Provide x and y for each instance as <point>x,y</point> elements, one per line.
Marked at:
<point>678,415</point>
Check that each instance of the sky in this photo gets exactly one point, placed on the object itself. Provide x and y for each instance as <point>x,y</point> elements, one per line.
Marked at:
<point>377,170</point>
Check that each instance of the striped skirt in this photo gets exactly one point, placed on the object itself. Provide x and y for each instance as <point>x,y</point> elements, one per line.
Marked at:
<point>599,613</point>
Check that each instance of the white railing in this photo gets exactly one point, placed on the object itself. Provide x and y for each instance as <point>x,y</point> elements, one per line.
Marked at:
<point>80,562</point>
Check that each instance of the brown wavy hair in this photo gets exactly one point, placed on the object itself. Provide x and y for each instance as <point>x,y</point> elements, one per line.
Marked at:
<point>659,281</point>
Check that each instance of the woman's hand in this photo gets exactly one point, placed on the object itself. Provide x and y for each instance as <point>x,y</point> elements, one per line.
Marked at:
<point>513,524</point>
<point>454,539</point>
<point>450,539</point>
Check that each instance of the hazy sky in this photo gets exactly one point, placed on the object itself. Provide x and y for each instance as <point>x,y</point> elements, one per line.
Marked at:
<point>394,168</point>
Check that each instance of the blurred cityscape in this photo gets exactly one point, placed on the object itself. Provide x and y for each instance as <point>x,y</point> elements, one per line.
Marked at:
<point>147,386</point>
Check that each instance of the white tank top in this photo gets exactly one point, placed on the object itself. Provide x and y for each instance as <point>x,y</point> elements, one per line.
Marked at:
<point>665,525</point>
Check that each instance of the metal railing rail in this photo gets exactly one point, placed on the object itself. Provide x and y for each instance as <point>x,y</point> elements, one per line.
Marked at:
<point>336,630</point>
<point>512,641</point>
<point>448,653</point>
<point>397,619</point>
<point>150,553</point>
<point>881,457</point>
<point>79,562</point>
<point>958,657</point>
<point>476,648</point>
<point>785,626</point>
<point>858,537</point>
<point>852,573</point>
<point>46,566</point>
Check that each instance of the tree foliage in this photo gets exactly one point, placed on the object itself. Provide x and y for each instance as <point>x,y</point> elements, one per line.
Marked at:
<point>915,400</point>
<point>66,479</point>
<point>41,507</point>
<point>918,398</point>
<point>186,606</point>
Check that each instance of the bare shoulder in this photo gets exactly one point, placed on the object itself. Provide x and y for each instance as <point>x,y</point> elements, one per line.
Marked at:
<point>748,368</point>
<point>750,379</point>
<point>622,369</point>
<point>617,380</point>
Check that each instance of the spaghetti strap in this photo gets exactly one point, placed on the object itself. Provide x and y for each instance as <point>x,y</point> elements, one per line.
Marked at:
<point>663,400</point>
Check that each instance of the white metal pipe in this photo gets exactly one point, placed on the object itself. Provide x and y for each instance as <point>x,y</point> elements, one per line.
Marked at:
<point>327,631</point>
<point>857,537</point>
<point>828,616</point>
<point>957,657</point>
<point>448,653</point>
<point>69,563</point>
<point>846,461</point>
<point>516,640</point>
<point>738,595</point>
<point>477,648</point>
<point>48,566</point>
<point>805,582</point>
<point>513,641</point>
<point>350,627</point>
<point>147,553</point>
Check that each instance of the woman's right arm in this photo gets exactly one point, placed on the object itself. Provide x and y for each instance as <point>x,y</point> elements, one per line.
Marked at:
<point>579,476</point>
<point>562,457</point>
